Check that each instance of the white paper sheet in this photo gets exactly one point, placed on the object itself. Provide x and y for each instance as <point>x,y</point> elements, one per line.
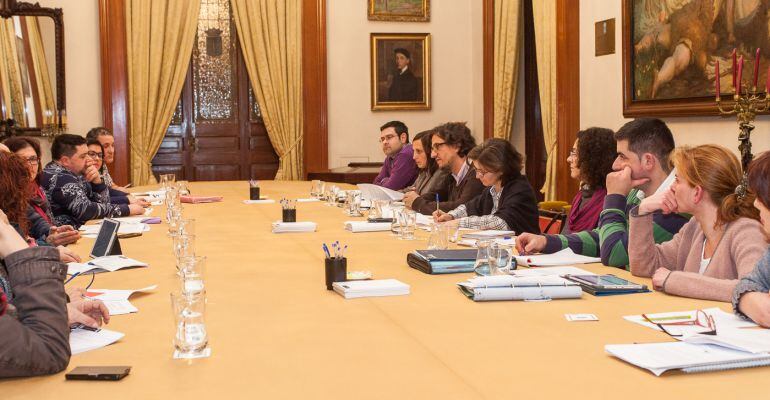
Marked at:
<point>563,257</point>
<point>363,226</point>
<point>82,340</point>
<point>374,192</point>
<point>288,227</point>
<point>722,319</point>
<point>545,271</point>
<point>265,201</point>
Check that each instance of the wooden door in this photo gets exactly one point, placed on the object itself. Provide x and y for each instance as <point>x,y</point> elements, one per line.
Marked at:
<point>217,132</point>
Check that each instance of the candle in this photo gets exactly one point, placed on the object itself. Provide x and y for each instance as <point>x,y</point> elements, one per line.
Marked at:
<point>739,77</point>
<point>716,79</point>
<point>756,70</point>
<point>735,70</point>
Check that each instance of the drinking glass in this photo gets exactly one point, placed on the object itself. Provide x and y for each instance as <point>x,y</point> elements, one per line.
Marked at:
<point>183,187</point>
<point>395,226</point>
<point>353,203</point>
<point>481,267</point>
<point>192,269</point>
<point>181,226</point>
<point>190,336</point>
<point>167,181</point>
<point>438,239</point>
<point>408,221</point>
<point>316,188</point>
<point>500,258</point>
<point>184,246</point>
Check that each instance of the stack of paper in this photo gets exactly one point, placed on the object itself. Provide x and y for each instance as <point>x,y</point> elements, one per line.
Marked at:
<point>563,257</point>
<point>546,271</point>
<point>506,287</point>
<point>723,320</point>
<point>104,264</point>
<point>363,226</point>
<point>508,241</point>
<point>490,234</point>
<point>287,227</point>
<point>308,200</point>
<point>92,231</point>
<point>85,339</point>
<point>374,192</point>
<point>154,197</point>
<point>117,300</point>
<point>260,201</point>
<point>371,288</point>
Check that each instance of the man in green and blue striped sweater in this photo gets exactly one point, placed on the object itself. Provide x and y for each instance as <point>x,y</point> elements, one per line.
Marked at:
<point>641,166</point>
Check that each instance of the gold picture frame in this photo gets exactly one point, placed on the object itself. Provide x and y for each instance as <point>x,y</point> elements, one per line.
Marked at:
<point>399,10</point>
<point>400,71</point>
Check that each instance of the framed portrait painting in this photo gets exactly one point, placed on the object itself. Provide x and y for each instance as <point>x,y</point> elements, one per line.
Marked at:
<point>400,71</point>
<point>671,48</point>
<point>399,10</point>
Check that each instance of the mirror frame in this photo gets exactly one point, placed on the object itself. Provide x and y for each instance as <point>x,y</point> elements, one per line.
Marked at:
<point>10,8</point>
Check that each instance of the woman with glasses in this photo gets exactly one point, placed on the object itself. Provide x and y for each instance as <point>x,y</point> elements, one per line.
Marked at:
<point>720,244</point>
<point>751,298</point>
<point>42,226</point>
<point>589,162</point>
<point>508,203</point>
<point>430,177</point>
<point>96,153</point>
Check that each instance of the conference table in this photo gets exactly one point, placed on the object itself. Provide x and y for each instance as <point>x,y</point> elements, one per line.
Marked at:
<point>275,332</point>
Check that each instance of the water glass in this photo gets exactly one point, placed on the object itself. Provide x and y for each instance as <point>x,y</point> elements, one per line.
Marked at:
<point>192,269</point>
<point>500,256</point>
<point>395,226</point>
<point>190,336</point>
<point>181,226</point>
<point>183,188</point>
<point>438,239</point>
<point>172,198</point>
<point>481,267</point>
<point>184,246</point>
<point>408,220</point>
<point>316,188</point>
<point>167,181</point>
<point>353,203</point>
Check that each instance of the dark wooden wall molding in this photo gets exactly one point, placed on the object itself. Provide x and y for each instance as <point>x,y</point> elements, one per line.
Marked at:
<point>489,67</point>
<point>112,30</point>
<point>568,91</point>
<point>316,141</point>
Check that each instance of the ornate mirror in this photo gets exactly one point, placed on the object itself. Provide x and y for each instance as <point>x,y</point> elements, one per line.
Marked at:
<point>32,94</point>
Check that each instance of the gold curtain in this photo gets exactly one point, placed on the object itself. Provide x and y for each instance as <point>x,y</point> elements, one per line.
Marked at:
<point>10,75</point>
<point>508,40</point>
<point>40,67</point>
<point>544,15</point>
<point>159,41</point>
<point>270,32</point>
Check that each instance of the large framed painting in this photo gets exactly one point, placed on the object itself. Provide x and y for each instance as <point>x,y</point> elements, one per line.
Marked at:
<point>400,65</point>
<point>399,10</point>
<point>671,47</point>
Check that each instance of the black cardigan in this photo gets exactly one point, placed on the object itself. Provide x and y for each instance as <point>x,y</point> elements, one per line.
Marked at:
<point>517,206</point>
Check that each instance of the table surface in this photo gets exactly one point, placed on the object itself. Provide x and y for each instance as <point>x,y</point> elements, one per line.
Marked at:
<point>275,331</point>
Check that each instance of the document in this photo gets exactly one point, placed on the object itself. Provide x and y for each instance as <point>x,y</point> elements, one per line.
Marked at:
<point>510,241</point>
<point>545,271</point>
<point>104,264</point>
<point>752,340</point>
<point>86,339</point>
<point>661,357</point>
<point>363,226</point>
<point>308,200</point>
<point>490,234</point>
<point>117,300</point>
<point>563,257</point>
<point>260,201</point>
<point>374,192</point>
<point>507,287</point>
<point>371,288</point>
<point>92,231</point>
<point>289,227</point>
<point>722,319</point>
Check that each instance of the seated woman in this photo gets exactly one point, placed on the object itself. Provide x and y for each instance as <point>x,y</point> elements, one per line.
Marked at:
<point>35,320</point>
<point>719,245</point>
<point>508,204</point>
<point>589,162</point>
<point>430,177</point>
<point>96,152</point>
<point>41,223</point>
<point>751,298</point>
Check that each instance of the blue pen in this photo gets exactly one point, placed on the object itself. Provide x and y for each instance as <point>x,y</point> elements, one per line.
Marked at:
<point>72,277</point>
<point>326,250</point>
<point>437,209</point>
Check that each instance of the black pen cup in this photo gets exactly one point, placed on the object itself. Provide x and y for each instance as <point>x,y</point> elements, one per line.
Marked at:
<point>289,215</point>
<point>336,271</point>
<point>254,193</point>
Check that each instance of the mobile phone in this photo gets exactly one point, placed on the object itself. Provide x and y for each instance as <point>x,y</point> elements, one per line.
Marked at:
<point>103,373</point>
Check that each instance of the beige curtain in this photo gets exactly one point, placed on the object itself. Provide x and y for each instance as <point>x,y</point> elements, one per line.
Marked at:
<point>10,75</point>
<point>159,40</point>
<point>40,67</point>
<point>270,32</point>
<point>508,39</point>
<point>544,13</point>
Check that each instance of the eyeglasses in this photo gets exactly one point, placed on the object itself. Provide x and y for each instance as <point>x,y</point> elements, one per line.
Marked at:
<point>481,172</point>
<point>94,154</point>
<point>436,146</point>
<point>387,138</point>
<point>572,153</point>
<point>34,160</point>
<point>701,319</point>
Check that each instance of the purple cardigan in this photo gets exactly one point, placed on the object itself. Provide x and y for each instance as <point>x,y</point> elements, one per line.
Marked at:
<point>399,171</point>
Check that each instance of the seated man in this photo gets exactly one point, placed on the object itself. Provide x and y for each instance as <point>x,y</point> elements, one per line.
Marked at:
<point>399,169</point>
<point>641,167</point>
<point>74,187</point>
<point>451,144</point>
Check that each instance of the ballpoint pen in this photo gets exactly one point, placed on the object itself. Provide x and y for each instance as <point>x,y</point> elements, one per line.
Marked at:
<point>437,209</point>
<point>326,250</point>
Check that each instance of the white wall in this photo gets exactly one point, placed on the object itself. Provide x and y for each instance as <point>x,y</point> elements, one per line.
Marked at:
<point>601,90</point>
<point>457,75</point>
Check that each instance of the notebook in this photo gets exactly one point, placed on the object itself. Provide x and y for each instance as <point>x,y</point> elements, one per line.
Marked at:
<point>563,257</point>
<point>506,287</point>
<point>371,288</point>
<point>364,226</point>
<point>442,261</point>
<point>606,285</point>
<point>687,357</point>
<point>290,227</point>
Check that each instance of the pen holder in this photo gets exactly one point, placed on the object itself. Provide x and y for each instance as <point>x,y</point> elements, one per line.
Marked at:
<point>254,193</point>
<point>336,271</point>
<point>289,215</point>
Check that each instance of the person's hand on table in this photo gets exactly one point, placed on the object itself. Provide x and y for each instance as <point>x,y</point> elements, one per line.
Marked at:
<point>663,201</point>
<point>621,182</point>
<point>440,216</point>
<point>528,243</point>
<point>409,198</point>
<point>75,293</point>
<point>135,209</point>
<point>659,277</point>
<point>62,235</point>
<point>67,256</point>
<point>88,312</point>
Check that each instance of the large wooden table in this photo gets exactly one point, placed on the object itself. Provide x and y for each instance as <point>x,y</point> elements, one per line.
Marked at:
<point>276,332</point>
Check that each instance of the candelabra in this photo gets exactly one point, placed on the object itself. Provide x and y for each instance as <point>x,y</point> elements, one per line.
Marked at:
<point>54,126</point>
